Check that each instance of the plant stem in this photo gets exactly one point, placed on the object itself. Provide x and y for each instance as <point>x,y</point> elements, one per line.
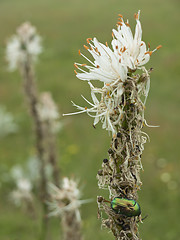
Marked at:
<point>121,172</point>
<point>32,98</point>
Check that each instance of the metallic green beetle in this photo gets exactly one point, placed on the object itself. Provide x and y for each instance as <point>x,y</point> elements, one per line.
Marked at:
<point>124,206</point>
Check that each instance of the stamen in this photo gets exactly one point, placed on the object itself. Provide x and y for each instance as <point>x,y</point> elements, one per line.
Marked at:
<point>127,24</point>
<point>107,84</point>
<point>85,108</point>
<point>96,49</point>
<point>75,72</point>
<point>106,44</point>
<point>119,23</point>
<point>120,19</point>
<point>76,66</point>
<point>124,49</point>
<point>97,66</point>
<point>148,45</point>
<point>112,34</point>
<point>120,60</point>
<point>121,16</point>
<point>158,47</point>
<point>149,52</point>
<point>83,65</point>
<point>79,52</point>
<point>88,40</point>
<point>116,47</point>
<point>141,44</point>
<point>86,47</point>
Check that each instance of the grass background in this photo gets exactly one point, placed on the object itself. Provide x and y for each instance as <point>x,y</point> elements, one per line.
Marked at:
<point>64,26</point>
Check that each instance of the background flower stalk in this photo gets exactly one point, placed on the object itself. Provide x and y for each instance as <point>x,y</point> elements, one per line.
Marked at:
<point>22,52</point>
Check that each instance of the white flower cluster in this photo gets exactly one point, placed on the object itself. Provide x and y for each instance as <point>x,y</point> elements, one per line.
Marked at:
<point>65,199</point>
<point>26,43</point>
<point>48,111</point>
<point>112,67</point>
<point>7,124</point>
<point>23,192</point>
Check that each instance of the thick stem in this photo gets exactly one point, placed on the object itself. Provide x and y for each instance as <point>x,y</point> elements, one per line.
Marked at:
<point>121,172</point>
<point>32,98</point>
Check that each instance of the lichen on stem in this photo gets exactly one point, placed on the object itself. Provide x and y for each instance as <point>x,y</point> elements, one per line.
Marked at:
<point>120,174</point>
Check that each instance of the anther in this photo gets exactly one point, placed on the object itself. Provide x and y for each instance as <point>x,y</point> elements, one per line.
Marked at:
<point>79,52</point>
<point>141,44</point>
<point>119,23</point>
<point>75,72</point>
<point>124,49</point>
<point>149,52</point>
<point>116,47</point>
<point>107,84</point>
<point>112,34</point>
<point>76,66</point>
<point>127,24</point>
<point>83,65</point>
<point>88,40</point>
<point>136,16</point>
<point>148,45</point>
<point>121,16</point>
<point>158,47</point>
<point>85,108</point>
<point>120,19</point>
<point>86,47</point>
<point>106,44</point>
<point>97,66</point>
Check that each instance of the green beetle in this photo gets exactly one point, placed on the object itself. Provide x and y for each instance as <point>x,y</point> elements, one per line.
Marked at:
<point>124,206</point>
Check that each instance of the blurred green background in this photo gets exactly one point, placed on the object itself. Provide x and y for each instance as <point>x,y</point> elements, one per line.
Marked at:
<point>64,26</point>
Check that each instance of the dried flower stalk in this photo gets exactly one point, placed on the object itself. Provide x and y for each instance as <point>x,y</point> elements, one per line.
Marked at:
<point>22,52</point>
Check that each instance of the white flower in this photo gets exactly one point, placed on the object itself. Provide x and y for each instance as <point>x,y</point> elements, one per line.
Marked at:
<point>47,108</point>
<point>23,192</point>
<point>114,68</point>
<point>106,66</point>
<point>24,185</point>
<point>105,110</point>
<point>25,43</point>
<point>48,112</point>
<point>7,124</point>
<point>132,50</point>
<point>65,199</point>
